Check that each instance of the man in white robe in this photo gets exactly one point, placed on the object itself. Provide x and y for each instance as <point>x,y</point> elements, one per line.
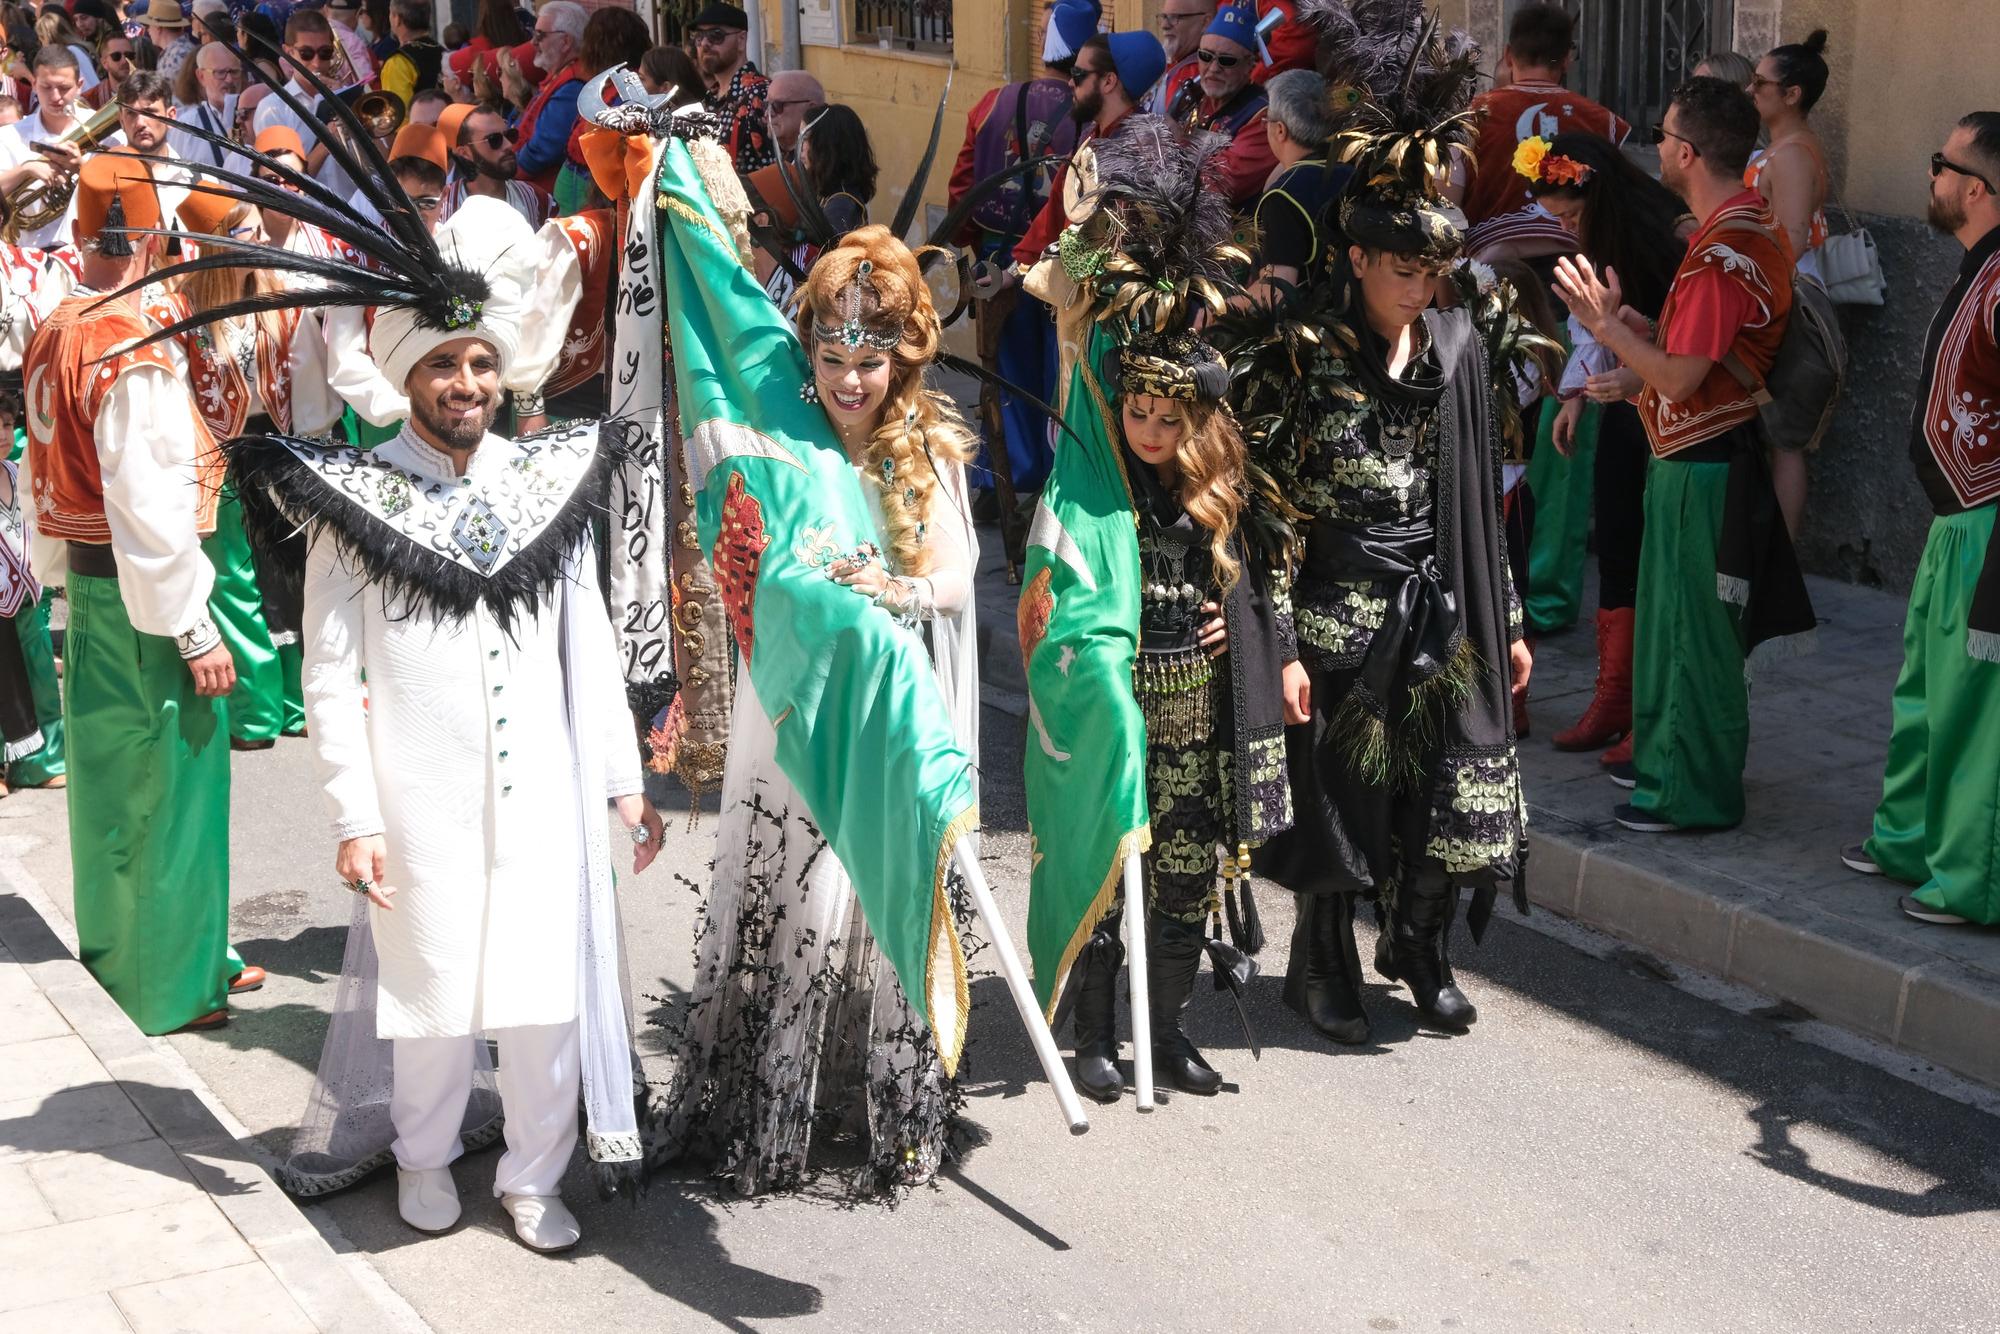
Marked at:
<point>467,715</point>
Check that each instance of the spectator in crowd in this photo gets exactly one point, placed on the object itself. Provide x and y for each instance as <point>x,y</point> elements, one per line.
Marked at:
<point>212,22</point>
<point>1792,176</point>
<point>171,32</point>
<point>345,15</point>
<point>795,97</point>
<point>611,37</point>
<point>10,110</point>
<point>1938,827</point>
<point>456,36</point>
<point>219,74</point>
<point>1182,22</point>
<point>93,20</point>
<point>382,38</point>
<point>418,59</point>
<point>310,42</point>
<point>1290,45</point>
<point>1222,100</point>
<point>1009,126</point>
<point>53,28</point>
<point>31,147</point>
<point>17,56</point>
<point>427,106</point>
<point>1728,66</point>
<point>145,115</point>
<point>1293,230</point>
<point>1628,223</point>
<point>498,28</point>
<point>737,92</point>
<point>118,62</point>
<point>839,163</point>
<point>665,67</point>
<point>259,36</point>
<point>546,122</point>
<point>1111,73</point>
<point>483,162</point>
<point>1527,102</point>
<point>1716,568</point>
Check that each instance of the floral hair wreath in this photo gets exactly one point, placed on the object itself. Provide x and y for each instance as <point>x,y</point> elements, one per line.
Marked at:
<point>1533,160</point>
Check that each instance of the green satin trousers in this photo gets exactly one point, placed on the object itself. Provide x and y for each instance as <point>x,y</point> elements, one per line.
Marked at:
<point>1938,826</point>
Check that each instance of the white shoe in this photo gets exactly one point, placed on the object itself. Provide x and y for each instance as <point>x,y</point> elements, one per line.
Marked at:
<point>541,1221</point>
<point>427,1199</point>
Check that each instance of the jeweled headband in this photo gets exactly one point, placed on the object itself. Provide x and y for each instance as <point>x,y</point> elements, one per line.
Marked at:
<point>856,301</point>
<point>1178,366</point>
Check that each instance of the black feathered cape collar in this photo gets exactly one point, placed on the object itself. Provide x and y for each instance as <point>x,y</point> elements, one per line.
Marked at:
<point>438,544</point>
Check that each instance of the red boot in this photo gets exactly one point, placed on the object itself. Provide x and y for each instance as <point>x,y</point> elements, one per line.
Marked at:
<point>1610,713</point>
<point>1618,754</point>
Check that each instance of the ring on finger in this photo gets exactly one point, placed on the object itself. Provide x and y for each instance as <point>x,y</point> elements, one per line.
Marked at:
<point>361,886</point>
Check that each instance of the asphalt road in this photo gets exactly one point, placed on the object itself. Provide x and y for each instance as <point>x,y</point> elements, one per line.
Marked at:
<point>1606,1150</point>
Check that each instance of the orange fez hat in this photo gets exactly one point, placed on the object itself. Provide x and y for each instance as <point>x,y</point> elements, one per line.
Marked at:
<point>109,176</point>
<point>424,141</point>
<point>451,122</point>
<point>203,212</point>
<point>280,139</point>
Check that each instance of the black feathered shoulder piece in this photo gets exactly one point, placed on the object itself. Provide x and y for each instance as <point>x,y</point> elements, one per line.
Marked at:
<point>438,545</point>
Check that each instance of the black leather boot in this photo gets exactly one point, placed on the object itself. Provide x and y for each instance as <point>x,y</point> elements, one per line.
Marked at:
<point>1096,1017</point>
<point>1422,922</point>
<point>1323,978</point>
<point>1173,958</point>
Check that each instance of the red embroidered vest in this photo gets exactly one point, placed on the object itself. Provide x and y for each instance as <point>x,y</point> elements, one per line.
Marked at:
<point>593,236</point>
<point>1743,243</point>
<point>221,394</point>
<point>66,385</point>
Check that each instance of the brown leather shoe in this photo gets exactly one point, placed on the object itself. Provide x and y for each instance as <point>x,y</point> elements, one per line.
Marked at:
<point>251,978</point>
<point>213,1019</point>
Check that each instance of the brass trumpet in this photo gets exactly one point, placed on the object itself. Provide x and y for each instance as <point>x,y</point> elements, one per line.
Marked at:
<point>383,113</point>
<point>32,203</point>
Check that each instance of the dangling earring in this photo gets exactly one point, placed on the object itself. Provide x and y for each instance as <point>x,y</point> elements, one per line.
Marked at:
<point>809,389</point>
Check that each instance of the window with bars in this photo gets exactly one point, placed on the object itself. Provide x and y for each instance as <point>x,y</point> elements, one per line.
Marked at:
<point>1632,54</point>
<point>904,25</point>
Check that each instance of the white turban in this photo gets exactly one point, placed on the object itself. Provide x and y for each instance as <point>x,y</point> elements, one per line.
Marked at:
<point>486,237</point>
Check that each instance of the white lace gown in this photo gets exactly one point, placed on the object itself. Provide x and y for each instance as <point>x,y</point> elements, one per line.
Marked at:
<point>794,1021</point>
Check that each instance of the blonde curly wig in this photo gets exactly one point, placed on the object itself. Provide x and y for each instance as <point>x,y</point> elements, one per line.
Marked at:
<point>920,431</point>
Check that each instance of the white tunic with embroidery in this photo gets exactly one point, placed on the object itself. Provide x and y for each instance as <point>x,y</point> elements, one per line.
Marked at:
<point>450,739</point>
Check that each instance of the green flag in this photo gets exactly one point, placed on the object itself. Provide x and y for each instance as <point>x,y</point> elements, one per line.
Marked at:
<point>862,731</point>
<point>1086,750</point>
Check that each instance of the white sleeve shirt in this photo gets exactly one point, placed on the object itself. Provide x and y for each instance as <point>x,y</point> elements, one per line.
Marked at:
<point>145,453</point>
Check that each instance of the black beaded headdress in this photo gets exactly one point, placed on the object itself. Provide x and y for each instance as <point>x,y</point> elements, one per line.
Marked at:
<point>1405,85</point>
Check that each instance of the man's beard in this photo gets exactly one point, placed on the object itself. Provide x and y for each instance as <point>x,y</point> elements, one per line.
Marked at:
<point>713,61</point>
<point>455,433</point>
<point>1945,217</point>
<point>1084,110</point>
<point>497,171</point>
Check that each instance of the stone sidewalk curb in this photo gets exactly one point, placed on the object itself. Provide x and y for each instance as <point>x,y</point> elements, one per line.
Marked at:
<point>1787,950</point>
<point>338,1294</point>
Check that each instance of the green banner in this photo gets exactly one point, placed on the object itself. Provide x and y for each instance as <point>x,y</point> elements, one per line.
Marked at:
<point>862,731</point>
<point>1086,749</point>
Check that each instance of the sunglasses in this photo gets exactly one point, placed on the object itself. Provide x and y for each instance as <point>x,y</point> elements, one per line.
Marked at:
<point>496,140</point>
<point>122,57</point>
<point>1940,164</point>
<point>713,36</point>
<point>1078,74</point>
<point>1661,134</point>
<point>427,203</point>
<point>312,53</point>
<point>1214,58</point>
<point>780,105</point>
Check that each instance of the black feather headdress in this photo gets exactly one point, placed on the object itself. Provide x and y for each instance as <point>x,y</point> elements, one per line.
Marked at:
<point>1404,84</point>
<point>399,264</point>
<point>1155,245</point>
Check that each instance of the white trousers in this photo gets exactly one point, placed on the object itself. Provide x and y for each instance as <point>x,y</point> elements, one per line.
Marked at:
<point>538,1076</point>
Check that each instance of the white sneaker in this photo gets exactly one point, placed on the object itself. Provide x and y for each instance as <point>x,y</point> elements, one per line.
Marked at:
<point>542,1222</point>
<point>427,1199</point>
